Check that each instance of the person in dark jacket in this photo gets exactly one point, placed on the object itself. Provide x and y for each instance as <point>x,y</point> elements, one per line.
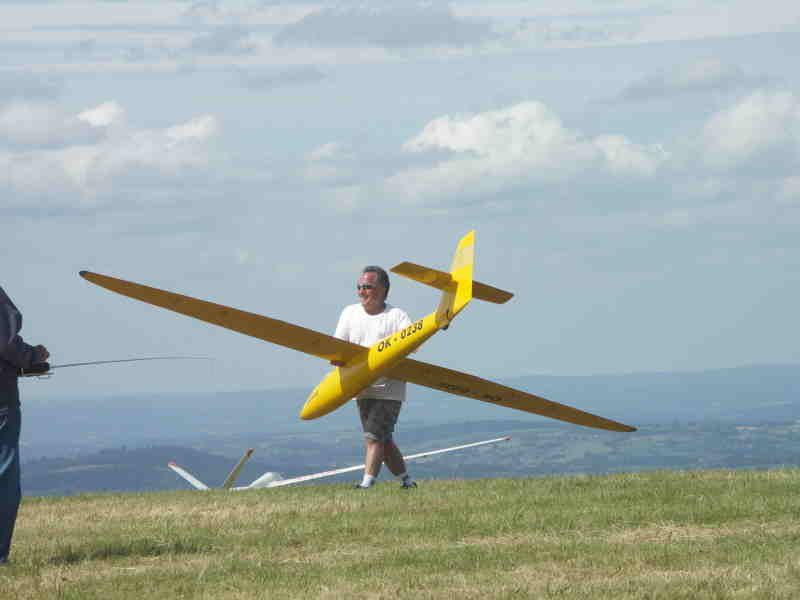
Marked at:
<point>15,355</point>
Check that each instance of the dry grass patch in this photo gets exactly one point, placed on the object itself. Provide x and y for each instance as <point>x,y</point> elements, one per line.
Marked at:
<point>668,532</point>
<point>673,532</point>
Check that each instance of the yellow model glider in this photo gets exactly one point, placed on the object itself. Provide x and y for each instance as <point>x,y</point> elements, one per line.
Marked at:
<point>386,358</point>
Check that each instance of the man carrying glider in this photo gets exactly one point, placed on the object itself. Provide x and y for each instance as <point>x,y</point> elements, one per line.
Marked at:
<point>368,371</point>
<point>379,403</point>
<point>15,354</point>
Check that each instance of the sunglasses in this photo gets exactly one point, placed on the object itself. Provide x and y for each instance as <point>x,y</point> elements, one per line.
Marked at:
<point>364,286</point>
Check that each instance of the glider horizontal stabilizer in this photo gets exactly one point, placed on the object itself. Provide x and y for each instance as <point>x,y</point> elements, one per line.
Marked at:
<point>442,280</point>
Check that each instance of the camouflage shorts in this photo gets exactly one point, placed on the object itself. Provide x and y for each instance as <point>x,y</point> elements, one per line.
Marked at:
<point>378,418</point>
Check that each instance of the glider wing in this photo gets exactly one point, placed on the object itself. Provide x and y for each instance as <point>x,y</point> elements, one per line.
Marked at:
<point>271,330</point>
<point>323,474</point>
<point>463,384</point>
<point>187,476</point>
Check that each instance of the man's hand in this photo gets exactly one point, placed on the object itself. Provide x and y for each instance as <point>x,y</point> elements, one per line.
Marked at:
<point>38,368</point>
<point>41,354</point>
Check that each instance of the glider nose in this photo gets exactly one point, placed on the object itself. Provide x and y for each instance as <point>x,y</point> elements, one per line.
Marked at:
<point>310,409</point>
<point>326,397</point>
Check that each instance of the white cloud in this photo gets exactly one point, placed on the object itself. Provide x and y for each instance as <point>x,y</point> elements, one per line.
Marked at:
<point>36,125</point>
<point>332,164</point>
<point>763,126</point>
<point>156,153</point>
<point>198,129</point>
<point>523,157</point>
<point>496,155</point>
<point>530,136</point>
<point>33,177</point>
<point>624,157</point>
<point>330,151</point>
<point>84,174</point>
<point>512,131</point>
<point>103,115</point>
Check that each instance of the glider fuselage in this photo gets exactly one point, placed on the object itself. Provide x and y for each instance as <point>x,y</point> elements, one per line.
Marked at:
<point>365,367</point>
<point>345,382</point>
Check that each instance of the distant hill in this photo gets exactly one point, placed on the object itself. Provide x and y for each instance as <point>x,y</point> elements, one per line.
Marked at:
<point>63,427</point>
<point>535,449</point>
<point>763,393</point>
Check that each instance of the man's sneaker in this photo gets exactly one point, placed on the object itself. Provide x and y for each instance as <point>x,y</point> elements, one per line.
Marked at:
<point>408,484</point>
<point>358,486</point>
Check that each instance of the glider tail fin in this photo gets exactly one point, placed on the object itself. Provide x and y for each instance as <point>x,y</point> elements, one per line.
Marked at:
<point>457,292</point>
<point>231,478</point>
<point>461,271</point>
<point>448,282</point>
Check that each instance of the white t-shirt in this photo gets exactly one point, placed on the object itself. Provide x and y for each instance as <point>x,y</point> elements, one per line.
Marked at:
<point>357,326</point>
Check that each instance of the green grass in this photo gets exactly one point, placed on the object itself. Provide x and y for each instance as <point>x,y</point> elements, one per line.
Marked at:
<point>648,536</point>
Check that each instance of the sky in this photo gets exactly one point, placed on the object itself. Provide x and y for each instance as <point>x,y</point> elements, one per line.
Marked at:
<point>631,169</point>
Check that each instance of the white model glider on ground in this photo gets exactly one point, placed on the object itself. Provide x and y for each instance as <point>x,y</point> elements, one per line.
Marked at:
<point>271,480</point>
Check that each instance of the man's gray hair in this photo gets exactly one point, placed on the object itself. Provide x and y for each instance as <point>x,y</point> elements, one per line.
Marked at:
<point>383,276</point>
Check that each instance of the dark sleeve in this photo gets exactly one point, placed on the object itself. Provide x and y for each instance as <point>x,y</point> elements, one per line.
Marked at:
<point>13,349</point>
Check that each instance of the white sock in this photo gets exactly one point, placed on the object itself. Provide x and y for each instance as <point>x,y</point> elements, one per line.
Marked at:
<point>368,480</point>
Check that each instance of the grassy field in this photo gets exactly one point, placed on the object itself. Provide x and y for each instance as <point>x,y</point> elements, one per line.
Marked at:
<point>654,535</point>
